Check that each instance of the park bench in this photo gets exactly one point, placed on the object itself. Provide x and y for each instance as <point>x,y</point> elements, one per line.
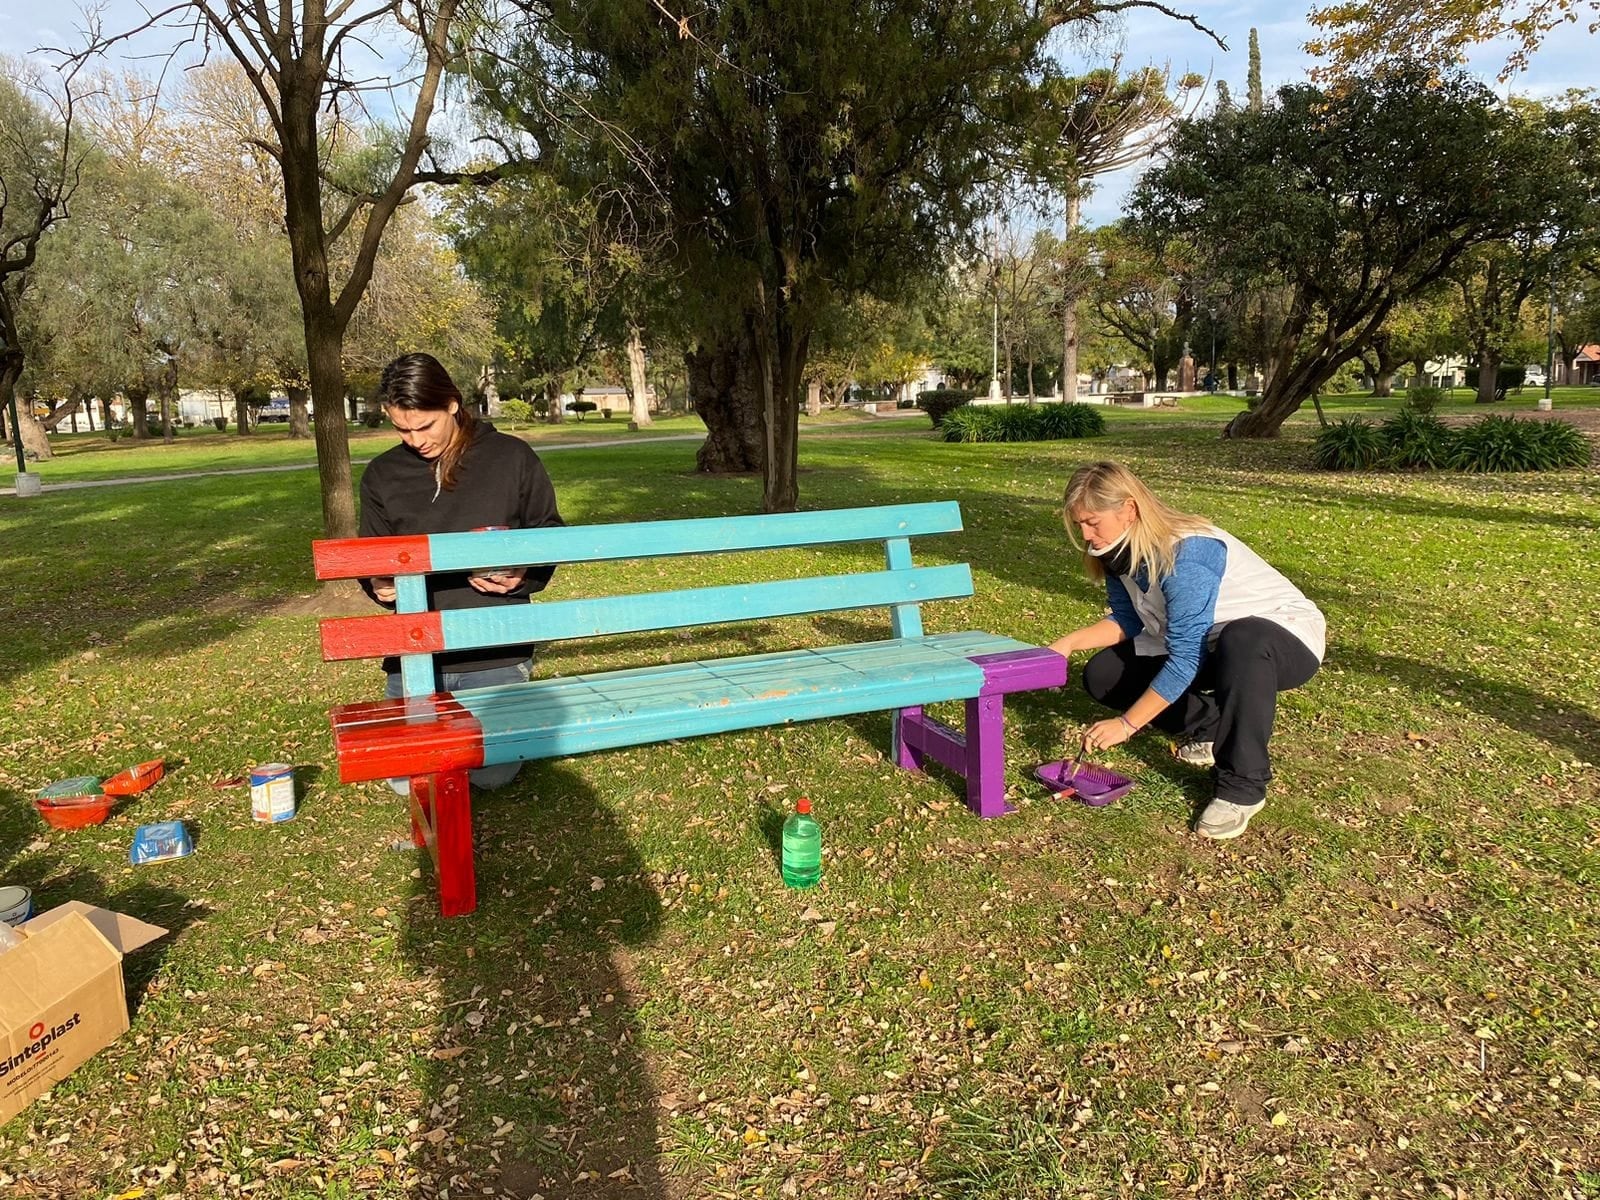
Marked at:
<point>435,738</point>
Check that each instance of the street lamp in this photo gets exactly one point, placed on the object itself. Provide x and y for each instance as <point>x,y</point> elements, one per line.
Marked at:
<point>1549,342</point>
<point>1211,320</point>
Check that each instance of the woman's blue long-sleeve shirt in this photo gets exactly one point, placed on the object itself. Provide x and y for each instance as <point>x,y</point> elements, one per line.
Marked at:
<point>1190,593</point>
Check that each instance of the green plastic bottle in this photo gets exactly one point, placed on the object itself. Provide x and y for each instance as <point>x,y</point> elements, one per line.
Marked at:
<point>802,847</point>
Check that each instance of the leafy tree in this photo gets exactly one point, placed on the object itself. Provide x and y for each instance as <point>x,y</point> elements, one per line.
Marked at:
<point>1560,224</point>
<point>1254,101</point>
<point>1323,198</point>
<point>1086,127</point>
<point>558,277</point>
<point>1136,297</point>
<point>799,151</point>
<point>1360,36</point>
<point>303,63</point>
<point>1423,329</point>
<point>41,163</point>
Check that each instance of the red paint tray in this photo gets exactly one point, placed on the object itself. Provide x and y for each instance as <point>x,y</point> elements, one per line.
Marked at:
<point>1086,782</point>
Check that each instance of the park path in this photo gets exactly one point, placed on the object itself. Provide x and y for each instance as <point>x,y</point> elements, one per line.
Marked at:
<point>169,476</point>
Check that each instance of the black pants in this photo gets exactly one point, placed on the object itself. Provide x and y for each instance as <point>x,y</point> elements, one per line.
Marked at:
<point>1231,703</point>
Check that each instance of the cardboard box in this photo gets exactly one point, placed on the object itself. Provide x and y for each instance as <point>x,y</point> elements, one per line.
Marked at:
<point>62,997</point>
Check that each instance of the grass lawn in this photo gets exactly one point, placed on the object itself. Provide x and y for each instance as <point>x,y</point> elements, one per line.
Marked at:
<point>1387,987</point>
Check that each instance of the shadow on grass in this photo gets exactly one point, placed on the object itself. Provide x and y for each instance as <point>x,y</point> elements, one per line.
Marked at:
<point>538,1076</point>
<point>1550,716</point>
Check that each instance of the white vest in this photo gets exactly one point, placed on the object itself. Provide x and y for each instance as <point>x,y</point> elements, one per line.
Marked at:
<point>1251,587</point>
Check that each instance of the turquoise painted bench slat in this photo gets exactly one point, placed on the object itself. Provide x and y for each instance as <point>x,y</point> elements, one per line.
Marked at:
<point>435,738</point>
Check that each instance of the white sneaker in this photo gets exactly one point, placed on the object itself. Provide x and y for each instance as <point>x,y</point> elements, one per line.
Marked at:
<point>1223,819</point>
<point>1197,754</point>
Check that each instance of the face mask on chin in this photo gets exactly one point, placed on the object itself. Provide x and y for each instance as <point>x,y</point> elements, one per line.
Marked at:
<point>1116,558</point>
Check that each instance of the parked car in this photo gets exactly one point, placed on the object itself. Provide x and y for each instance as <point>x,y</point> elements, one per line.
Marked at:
<point>1533,375</point>
<point>276,409</point>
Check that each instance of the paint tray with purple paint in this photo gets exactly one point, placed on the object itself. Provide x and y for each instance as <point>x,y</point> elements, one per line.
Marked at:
<point>1083,781</point>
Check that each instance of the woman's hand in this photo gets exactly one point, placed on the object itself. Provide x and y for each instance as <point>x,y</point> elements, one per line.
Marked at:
<point>1066,644</point>
<point>498,583</point>
<point>1103,735</point>
<point>383,589</point>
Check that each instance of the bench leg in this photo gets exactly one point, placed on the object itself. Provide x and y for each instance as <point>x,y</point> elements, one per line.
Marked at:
<point>986,756</point>
<point>441,814</point>
<point>907,755</point>
<point>978,756</point>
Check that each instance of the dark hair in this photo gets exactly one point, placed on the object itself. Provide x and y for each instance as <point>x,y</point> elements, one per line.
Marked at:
<point>419,382</point>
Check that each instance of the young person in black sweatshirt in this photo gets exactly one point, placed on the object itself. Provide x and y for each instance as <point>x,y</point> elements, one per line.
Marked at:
<point>452,473</point>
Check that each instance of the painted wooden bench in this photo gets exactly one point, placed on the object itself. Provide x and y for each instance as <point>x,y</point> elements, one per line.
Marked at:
<point>436,738</point>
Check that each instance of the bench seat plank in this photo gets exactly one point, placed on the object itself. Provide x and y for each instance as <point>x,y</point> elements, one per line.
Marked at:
<point>576,714</point>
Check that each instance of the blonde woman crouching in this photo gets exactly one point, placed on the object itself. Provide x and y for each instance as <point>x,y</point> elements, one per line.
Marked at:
<point>1202,636</point>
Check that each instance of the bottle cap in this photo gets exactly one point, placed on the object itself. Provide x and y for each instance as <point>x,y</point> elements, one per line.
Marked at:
<point>802,805</point>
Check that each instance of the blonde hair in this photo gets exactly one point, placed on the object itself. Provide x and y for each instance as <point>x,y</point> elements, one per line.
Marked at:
<point>1156,530</point>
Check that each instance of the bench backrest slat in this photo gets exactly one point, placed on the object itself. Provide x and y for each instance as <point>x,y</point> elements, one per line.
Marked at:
<point>351,558</point>
<point>464,629</point>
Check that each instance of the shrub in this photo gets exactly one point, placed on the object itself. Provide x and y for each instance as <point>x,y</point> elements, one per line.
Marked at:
<point>518,412</point>
<point>1058,421</point>
<point>372,419</point>
<point>966,424</point>
<point>1348,445</point>
<point>1424,399</point>
<point>1019,423</point>
<point>1416,438</point>
<point>938,403</point>
<point>582,407</point>
<point>1503,443</point>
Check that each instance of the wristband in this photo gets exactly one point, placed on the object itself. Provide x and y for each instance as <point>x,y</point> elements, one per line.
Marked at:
<point>1128,725</point>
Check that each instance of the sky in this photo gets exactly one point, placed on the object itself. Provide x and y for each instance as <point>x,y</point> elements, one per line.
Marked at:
<point>1566,60</point>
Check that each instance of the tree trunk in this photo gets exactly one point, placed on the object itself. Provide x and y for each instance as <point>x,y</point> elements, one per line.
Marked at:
<point>35,441</point>
<point>1233,376</point>
<point>814,398</point>
<point>784,349</point>
<point>1069,299</point>
<point>639,386</point>
<point>241,411</point>
<point>299,421</point>
<point>1006,342</point>
<point>723,392</point>
<point>1488,376</point>
<point>138,410</point>
<point>1281,398</point>
<point>324,345</point>
<point>552,399</point>
<point>169,396</point>
<point>1031,396</point>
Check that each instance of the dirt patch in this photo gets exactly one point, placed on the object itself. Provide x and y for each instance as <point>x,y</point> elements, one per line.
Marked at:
<point>339,598</point>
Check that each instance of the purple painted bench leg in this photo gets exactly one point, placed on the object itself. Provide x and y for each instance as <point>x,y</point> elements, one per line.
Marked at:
<point>978,756</point>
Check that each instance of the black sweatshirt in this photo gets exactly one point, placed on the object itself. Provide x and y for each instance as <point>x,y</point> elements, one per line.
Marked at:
<point>499,481</point>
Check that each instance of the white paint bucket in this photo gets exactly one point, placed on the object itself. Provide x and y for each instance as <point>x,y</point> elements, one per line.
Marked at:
<point>272,793</point>
<point>16,905</point>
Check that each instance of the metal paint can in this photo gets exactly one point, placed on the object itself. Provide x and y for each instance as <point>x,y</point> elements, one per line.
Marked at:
<point>272,793</point>
<point>16,904</point>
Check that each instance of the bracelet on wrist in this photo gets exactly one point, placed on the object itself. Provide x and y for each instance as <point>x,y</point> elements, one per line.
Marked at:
<point>1128,725</point>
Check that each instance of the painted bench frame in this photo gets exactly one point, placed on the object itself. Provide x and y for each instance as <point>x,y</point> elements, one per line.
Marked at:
<point>435,738</point>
